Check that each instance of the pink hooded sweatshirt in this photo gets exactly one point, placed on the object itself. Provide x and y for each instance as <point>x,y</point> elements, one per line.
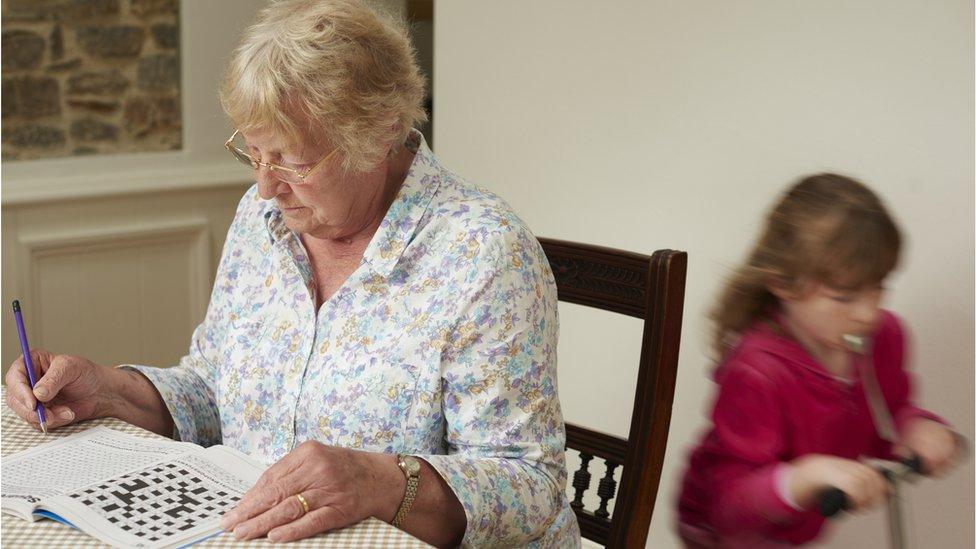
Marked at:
<point>775,403</point>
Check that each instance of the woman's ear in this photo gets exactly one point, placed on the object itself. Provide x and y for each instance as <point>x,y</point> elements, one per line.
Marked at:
<point>393,131</point>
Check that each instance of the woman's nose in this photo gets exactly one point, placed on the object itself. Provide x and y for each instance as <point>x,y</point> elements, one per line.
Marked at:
<point>269,186</point>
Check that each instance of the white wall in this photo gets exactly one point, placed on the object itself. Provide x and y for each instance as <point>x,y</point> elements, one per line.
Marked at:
<point>644,125</point>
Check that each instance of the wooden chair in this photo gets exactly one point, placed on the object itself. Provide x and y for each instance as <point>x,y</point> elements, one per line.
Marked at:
<point>650,288</point>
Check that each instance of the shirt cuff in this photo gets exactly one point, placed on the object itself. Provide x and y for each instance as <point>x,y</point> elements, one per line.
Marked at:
<point>781,482</point>
<point>503,506</point>
<point>760,497</point>
<point>189,401</point>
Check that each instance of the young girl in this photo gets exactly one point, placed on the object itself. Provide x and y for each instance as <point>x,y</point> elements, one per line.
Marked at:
<point>792,416</point>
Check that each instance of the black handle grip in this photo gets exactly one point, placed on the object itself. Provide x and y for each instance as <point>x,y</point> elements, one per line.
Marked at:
<point>831,501</point>
<point>914,463</point>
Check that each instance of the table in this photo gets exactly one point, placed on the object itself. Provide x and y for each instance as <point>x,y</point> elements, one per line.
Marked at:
<point>16,435</point>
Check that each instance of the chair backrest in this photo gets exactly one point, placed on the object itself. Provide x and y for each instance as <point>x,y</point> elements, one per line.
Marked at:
<point>650,288</point>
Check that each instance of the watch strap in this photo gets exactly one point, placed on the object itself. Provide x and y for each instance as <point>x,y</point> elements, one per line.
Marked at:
<point>413,484</point>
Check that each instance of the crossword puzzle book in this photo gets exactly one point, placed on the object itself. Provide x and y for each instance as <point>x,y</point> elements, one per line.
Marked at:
<point>126,490</point>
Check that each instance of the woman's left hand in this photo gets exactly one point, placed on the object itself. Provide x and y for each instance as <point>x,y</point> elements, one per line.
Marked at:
<point>340,486</point>
<point>933,442</point>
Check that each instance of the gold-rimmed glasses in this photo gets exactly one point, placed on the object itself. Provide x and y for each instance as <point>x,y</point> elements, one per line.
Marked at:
<point>291,176</point>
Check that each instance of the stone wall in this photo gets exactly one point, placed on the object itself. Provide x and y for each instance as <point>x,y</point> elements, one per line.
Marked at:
<point>90,77</point>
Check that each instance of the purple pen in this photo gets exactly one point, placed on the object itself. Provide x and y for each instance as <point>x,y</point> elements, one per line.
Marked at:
<point>28,363</point>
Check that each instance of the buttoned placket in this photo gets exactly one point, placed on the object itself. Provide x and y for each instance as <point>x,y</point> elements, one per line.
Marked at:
<point>315,333</point>
<point>286,248</point>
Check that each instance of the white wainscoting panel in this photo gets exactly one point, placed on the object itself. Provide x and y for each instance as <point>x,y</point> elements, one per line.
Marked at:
<point>119,279</point>
<point>124,292</point>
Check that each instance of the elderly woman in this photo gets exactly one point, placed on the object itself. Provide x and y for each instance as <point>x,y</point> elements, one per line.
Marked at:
<point>381,332</point>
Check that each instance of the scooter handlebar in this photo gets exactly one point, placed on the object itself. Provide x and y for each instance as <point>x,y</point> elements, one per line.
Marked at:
<point>833,500</point>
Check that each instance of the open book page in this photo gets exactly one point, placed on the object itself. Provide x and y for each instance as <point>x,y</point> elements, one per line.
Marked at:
<point>129,491</point>
<point>66,464</point>
<point>168,504</point>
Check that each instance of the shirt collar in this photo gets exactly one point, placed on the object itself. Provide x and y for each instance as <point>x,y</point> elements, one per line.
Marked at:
<point>277,229</point>
<point>402,219</point>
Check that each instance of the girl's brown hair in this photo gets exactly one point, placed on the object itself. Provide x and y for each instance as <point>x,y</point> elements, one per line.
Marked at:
<point>827,228</point>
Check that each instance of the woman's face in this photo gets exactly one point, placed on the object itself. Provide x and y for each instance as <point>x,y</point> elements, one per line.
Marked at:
<point>327,204</point>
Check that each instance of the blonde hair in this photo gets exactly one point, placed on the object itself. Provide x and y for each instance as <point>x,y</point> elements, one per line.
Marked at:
<point>827,228</point>
<point>331,71</point>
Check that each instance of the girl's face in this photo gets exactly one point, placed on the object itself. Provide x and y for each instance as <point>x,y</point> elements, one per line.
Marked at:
<point>820,316</point>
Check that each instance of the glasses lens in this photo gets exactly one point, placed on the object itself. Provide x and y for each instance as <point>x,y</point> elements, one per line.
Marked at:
<point>242,156</point>
<point>286,175</point>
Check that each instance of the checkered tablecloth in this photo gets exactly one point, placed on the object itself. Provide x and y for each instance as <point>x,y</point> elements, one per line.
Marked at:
<point>15,435</point>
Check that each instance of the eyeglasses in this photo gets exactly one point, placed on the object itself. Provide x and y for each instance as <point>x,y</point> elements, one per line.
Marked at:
<point>283,173</point>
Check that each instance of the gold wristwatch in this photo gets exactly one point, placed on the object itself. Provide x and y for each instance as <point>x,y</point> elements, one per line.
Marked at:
<point>411,469</point>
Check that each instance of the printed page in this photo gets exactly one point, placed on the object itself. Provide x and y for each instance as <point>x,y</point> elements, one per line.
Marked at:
<point>167,504</point>
<point>69,463</point>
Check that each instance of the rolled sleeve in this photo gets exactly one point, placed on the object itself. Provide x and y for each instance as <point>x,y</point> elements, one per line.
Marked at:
<point>507,502</point>
<point>505,432</point>
<point>189,399</point>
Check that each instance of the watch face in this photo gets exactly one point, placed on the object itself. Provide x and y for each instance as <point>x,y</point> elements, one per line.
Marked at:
<point>410,465</point>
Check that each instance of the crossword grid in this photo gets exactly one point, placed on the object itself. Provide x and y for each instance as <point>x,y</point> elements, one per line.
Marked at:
<point>86,464</point>
<point>158,502</point>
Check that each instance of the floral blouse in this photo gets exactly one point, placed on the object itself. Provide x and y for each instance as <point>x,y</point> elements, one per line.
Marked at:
<point>442,344</point>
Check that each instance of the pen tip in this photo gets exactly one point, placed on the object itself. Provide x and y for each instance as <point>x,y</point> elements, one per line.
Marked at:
<point>16,305</point>
<point>44,428</point>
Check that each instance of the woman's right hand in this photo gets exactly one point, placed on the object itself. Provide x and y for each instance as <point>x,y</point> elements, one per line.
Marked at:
<point>864,486</point>
<point>71,388</point>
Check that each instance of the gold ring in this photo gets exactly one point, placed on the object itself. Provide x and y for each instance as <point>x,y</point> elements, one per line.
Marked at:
<point>301,499</point>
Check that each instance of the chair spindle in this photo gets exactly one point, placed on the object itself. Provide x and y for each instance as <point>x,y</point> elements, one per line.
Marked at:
<point>606,490</point>
<point>581,480</point>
